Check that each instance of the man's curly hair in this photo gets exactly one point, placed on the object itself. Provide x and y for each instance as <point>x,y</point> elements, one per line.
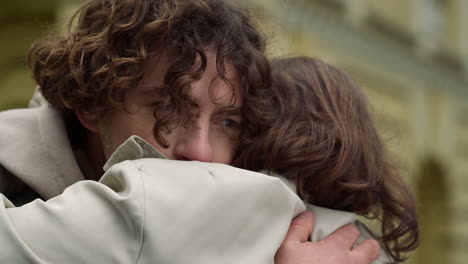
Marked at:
<point>110,42</point>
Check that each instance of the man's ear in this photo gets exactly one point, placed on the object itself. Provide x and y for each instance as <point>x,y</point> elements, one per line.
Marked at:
<point>88,120</point>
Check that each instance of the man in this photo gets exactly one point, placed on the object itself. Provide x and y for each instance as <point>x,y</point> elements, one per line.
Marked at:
<point>190,77</point>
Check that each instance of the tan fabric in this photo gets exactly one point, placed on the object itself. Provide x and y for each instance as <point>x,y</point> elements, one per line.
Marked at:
<point>154,211</point>
<point>328,221</point>
<point>161,211</point>
<point>37,100</point>
<point>35,148</point>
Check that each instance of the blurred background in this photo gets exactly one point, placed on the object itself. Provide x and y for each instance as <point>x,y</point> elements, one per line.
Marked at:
<point>411,57</point>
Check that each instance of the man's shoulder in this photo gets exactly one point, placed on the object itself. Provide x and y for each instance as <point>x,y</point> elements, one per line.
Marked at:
<point>16,120</point>
<point>19,112</point>
<point>31,142</point>
<point>13,124</point>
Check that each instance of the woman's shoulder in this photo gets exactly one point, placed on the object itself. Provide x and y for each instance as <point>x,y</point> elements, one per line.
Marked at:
<point>328,221</point>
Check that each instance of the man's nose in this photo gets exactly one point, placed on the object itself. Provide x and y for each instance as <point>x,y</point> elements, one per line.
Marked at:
<point>194,143</point>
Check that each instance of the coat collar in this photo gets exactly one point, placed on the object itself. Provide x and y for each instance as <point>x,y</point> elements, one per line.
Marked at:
<point>133,148</point>
<point>34,146</point>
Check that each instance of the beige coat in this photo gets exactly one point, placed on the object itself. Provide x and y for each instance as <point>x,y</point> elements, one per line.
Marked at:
<point>160,211</point>
<point>36,158</point>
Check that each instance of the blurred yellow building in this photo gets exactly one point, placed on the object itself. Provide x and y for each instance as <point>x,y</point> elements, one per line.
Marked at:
<point>411,56</point>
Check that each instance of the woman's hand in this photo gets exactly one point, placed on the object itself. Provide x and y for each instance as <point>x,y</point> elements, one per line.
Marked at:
<point>335,249</point>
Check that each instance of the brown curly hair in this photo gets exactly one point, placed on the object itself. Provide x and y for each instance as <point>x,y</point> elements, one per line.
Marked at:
<point>110,42</point>
<point>324,139</point>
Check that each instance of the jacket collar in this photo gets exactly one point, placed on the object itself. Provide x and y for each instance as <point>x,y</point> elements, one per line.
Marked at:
<point>34,146</point>
<point>133,148</point>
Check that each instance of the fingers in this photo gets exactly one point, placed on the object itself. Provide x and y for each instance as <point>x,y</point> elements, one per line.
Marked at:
<point>336,248</point>
<point>345,237</point>
<point>367,251</point>
<point>301,227</point>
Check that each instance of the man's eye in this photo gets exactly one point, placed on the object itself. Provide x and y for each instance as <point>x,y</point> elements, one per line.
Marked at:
<point>229,123</point>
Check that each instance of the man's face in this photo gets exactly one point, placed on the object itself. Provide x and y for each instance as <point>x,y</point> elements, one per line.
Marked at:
<point>208,138</point>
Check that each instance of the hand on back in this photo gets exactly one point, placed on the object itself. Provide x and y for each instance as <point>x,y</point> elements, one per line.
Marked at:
<point>335,249</point>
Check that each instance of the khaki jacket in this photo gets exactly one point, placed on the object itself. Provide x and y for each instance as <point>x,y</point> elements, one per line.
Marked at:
<point>36,158</point>
<point>152,210</point>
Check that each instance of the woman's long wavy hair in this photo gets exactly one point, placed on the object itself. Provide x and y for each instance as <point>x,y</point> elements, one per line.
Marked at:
<point>324,139</point>
<point>110,42</point>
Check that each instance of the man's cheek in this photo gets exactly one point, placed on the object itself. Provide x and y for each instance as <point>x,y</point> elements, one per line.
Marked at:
<point>225,151</point>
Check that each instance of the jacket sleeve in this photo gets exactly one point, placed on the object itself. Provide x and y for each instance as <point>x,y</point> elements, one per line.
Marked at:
<point>328,221</point>
<point>88,221</point>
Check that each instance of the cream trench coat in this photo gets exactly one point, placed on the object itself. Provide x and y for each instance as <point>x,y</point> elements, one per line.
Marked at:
<point>152,210</point>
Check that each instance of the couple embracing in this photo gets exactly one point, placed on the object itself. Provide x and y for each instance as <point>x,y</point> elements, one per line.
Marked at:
<point>161,133</point>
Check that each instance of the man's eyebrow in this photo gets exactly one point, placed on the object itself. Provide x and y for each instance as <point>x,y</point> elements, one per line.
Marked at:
<point>229,110</point>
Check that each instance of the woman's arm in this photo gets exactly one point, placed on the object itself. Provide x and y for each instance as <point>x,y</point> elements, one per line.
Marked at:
<point>89,221</point>
<point>335,249</point>
<point>165,212</point>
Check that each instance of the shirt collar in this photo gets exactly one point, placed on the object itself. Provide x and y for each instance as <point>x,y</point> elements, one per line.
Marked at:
<point>133,148</point>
